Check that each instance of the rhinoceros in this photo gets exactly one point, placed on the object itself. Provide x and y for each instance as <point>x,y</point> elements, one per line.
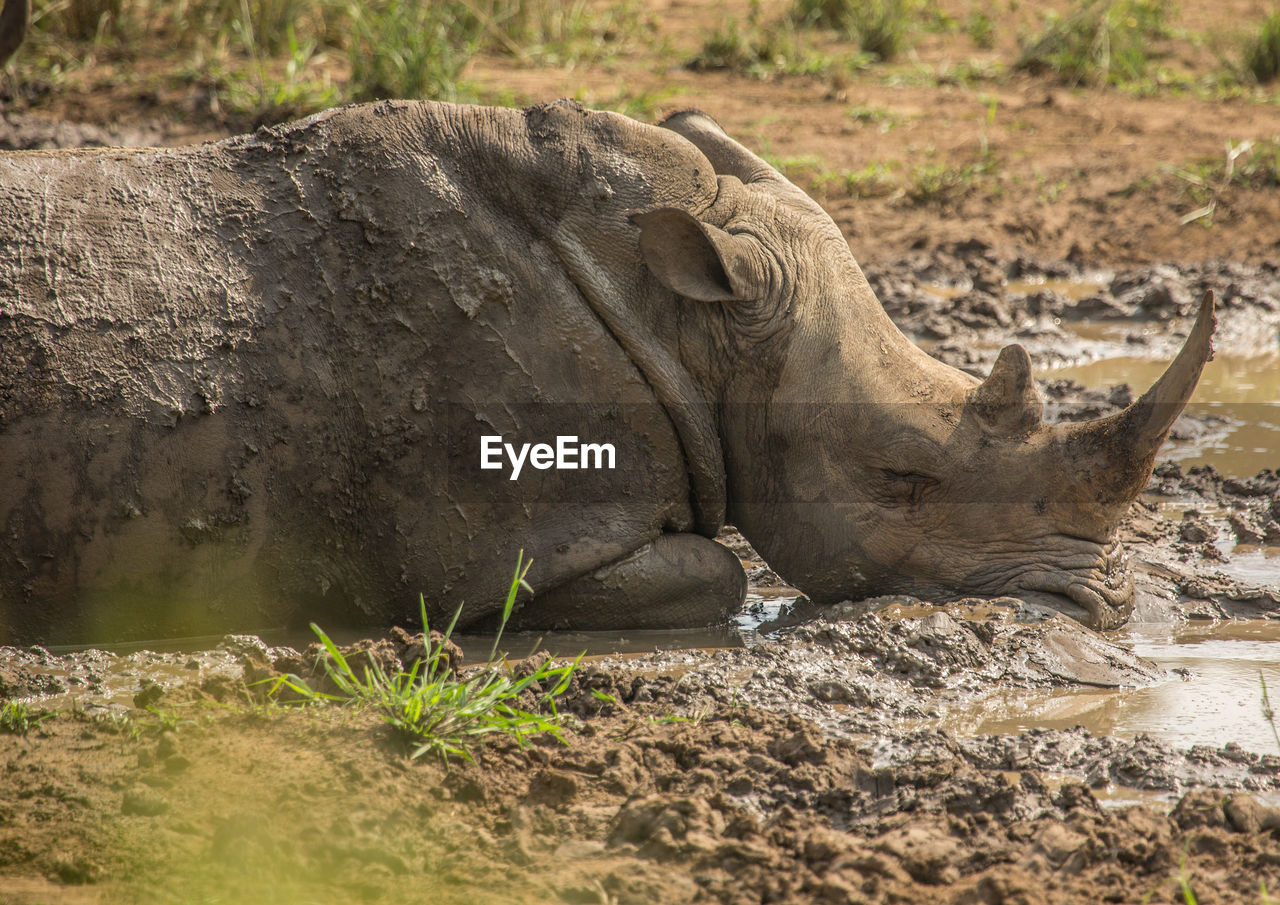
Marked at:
<point>288,376</point>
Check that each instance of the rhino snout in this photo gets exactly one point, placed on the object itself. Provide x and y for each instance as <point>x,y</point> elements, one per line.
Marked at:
<point>1099,594</point>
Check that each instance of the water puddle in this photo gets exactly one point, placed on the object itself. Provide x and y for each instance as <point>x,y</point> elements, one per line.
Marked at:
<point>1240,394</point>
<point>1213,696</point>
<point>763,605</point>
<point>1072,289</point>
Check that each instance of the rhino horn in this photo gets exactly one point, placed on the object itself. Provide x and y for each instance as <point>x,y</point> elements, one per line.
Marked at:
<point>1114,455</point>
<point>1007,403</point>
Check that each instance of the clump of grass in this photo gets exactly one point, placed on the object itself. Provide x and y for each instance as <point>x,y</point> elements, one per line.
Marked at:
<point>872,181</point>
<point>937,183</point>
<point>270,59</point>
<point>18,717</point>
<point>1206,183</point>
<point>270,26</point>
<point>404,48</point>
<point>1262,52</point>
<point>436,710</point>
<point>758,49</point>
<point>981,29</point>
<point>565,31</point>
<point>881,28</point>
<point>885,118</point>
<point>1103,42</point>
<point>85,19</point>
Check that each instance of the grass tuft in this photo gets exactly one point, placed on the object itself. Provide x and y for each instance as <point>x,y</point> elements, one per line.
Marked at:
<point>1262,53</point>
<point>271,59</point>
<point>981,29</point>
<point>1103,42</point>
<point>759,49</point>
<point>403,48</point>
<point>436,710</point>
<point>18,717</point>
<point>881,28</point>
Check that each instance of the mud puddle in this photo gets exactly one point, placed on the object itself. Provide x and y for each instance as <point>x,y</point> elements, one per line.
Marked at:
<point>1213,693</point>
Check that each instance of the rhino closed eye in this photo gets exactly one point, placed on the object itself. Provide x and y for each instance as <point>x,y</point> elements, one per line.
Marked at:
<point>905,487</point>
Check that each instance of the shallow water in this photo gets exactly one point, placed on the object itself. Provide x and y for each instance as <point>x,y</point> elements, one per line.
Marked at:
<point>1243,391</point>
<point>762,605</point>
<point>1213,694</point>
<point>1072,289</point>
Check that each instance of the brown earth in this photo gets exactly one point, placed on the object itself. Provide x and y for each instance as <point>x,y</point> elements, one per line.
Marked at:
<point>654,798</point>
<point>734,805</point>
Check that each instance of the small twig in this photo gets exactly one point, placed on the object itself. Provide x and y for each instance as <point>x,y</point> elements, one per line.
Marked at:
<point>1268,713</point>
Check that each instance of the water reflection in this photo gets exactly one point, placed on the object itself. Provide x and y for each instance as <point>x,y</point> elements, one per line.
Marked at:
<point>1213,695</point>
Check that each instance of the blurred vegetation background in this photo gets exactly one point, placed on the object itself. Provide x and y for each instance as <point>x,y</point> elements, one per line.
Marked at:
<point>267,60</point>
<point>279,58</point>
<point>956,82</point>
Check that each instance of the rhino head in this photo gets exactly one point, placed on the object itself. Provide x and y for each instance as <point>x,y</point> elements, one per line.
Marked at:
<point>857,464</point>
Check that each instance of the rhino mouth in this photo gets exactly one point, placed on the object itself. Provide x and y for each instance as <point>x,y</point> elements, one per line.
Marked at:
<point>1099,595</point>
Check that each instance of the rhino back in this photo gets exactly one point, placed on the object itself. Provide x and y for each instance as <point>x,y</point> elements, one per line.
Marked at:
<point>249,379</point>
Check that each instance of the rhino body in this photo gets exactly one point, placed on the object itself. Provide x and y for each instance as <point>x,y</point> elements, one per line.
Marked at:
<point>248,383</point>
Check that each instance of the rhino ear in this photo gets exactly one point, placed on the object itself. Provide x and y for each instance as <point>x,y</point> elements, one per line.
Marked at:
<point>698,260</point>
<point>1007,402</point>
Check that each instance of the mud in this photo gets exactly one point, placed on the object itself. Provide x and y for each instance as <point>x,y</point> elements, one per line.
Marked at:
<point>730,776</point>
<point>966,302</point>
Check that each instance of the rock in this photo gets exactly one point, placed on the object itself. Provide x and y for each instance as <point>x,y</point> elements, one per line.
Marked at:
<point>802,747</point>
<point>1195,528</point>
<point>1245,525</point>
<point>1246,815</point>
<point>149,696</point>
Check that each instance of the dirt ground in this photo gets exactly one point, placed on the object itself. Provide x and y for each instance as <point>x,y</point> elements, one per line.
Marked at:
<point>665,791</point>
<point>792,771</point>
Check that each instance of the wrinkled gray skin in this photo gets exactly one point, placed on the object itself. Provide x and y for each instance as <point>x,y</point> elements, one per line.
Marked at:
<point>244,384</point>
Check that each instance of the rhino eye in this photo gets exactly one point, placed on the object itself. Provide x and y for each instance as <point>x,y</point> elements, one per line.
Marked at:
<point>906,486</point>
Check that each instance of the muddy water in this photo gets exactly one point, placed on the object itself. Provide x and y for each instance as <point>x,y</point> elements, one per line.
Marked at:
<point>763,605</point>
<point>1242,394</point>
<point>1212,696</point>
<point>1072,289</point>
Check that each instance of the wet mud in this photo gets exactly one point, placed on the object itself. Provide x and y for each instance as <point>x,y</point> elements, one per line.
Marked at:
<point>885,750</point>
<point>728,776</point>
